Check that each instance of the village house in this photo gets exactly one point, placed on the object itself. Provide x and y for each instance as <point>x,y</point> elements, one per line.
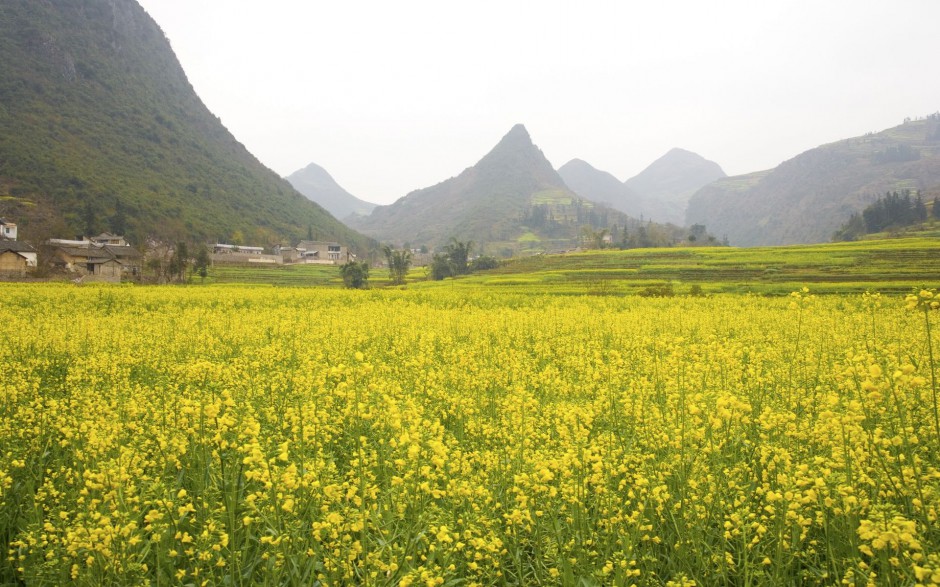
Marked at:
<point>103,261</point>
<point>106,238</point>
<point>7,230</point>
<point>287,254</point>
<point>16,258</point>
<point>221,249</point>
<point>225,253</point>
<point>322,252</point>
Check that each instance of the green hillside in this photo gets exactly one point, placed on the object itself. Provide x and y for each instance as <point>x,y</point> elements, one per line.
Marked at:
<point>807,198</point>
<point>101,130</point>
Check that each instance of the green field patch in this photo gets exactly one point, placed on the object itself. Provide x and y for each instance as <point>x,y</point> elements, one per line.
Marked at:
<point>552,197</point>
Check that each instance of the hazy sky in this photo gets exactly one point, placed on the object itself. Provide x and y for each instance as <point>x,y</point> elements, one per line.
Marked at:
<point>395,96</point>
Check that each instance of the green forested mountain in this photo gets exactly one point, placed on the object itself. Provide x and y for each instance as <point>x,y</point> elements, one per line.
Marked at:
<point>807,198</point>
<point>511,200</point>
<point>319,186</point>
<point>100,130</point>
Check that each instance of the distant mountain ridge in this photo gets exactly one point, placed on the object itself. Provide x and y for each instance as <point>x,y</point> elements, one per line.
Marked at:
<point>474,205</point>
<point>659,192</point>
<point>319,186</point>
<point>667,183</point>
<point>600,186</point>
<point>511,199</point>
<point>101,130</point>
<point>807,198</point>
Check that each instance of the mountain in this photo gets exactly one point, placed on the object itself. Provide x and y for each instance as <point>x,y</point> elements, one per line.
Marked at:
<point>101,130</point>
<point>667,183</point>
<point>807,198</point>
<point>600,186</point>
<point>319,186</point>
<point>659,192</point>
<point>512,200</point>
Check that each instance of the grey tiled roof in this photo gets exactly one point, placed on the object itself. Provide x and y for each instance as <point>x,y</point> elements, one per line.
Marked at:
<point>16,247</point>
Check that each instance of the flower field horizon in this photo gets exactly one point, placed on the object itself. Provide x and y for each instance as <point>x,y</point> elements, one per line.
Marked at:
<point>310,436</point>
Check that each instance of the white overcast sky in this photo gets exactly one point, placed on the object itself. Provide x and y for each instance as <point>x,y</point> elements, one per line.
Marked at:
<point>395,96</point>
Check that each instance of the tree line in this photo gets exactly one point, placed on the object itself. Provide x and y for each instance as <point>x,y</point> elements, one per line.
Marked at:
<point>891,211</point>
<point>454,259</point>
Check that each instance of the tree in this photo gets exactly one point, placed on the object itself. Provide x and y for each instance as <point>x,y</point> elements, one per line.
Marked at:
<point>355,274</point>
<point>851,230</point>
<point>484,263</point>
<point>118,221</point>
<point>920,209</point>
<point>179,261</point>
<point>442,266</point>
<point>201,264</point>
<point>935,209</point>
<point>89,219</point>
<point>593,239</point>
<point>459,254</point>
<point>399,261</point>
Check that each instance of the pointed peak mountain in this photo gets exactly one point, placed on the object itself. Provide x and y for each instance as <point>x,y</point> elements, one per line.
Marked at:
<point>681,157</point>
<point>576,165</point>
<point>674,177</point>
<point>515,155</point>
<point>312,168</point>
<point>516,140</point>
<point>518,132</point>
<point>578,170</point>
<point>316,183</point>
<point>600,186</point>
<point>680,152</point>
<point>666,185</point>
<point>487,203</point>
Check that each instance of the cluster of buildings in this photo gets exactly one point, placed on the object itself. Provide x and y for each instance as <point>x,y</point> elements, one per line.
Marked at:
<point>108,257</point>
<point>306,251</point>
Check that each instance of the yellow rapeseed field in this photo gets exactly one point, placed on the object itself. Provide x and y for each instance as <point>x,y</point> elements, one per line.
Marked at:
<point>270,436</point>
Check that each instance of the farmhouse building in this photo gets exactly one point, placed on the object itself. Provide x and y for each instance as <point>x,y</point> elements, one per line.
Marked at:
<point>106,238</point>
<point>235,254</point>
<point>322,252</point>
<point>7,230</point>
<point>104,261</point>
<point>16,258</point>
<point>287,254</point>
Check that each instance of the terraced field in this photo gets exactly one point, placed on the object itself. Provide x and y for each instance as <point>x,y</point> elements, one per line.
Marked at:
<point>885,265</point>
<point>888,266</point>
<point>283,275</point>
